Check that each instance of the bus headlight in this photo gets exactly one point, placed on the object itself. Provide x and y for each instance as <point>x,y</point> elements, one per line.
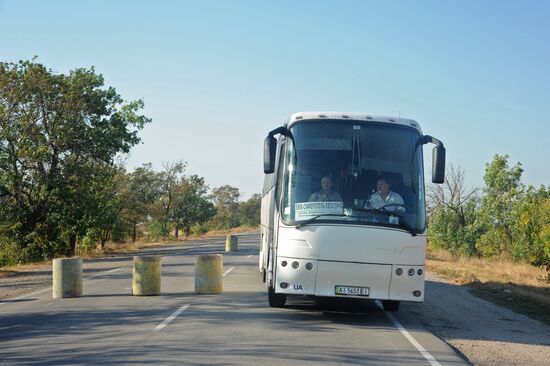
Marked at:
<point>399,271</point>
<point>309,266</point>
<point>295,265</point>
<point>411,271</point>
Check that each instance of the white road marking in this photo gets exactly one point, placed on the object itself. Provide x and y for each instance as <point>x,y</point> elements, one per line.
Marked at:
<point>25,296</point>
<point>171,317</point>
<point>104,273</point>
<point>228,271</point>
<point>427,355</point>
<point>250,256</point>
<point>190,250</point>
<point>49,288</point>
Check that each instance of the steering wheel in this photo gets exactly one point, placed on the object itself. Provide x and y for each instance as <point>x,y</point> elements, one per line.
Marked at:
<point>393,205</point>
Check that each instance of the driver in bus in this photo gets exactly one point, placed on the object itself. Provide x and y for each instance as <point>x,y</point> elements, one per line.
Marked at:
<point>326,194</point>
<point>384,198</point>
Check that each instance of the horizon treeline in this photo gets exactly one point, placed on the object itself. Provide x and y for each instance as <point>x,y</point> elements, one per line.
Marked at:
<point>504,218</point>
<point>63,193</point>
<point>61,190</point>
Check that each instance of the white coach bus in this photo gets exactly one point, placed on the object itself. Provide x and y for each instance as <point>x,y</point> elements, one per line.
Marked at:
<point>343,208</point>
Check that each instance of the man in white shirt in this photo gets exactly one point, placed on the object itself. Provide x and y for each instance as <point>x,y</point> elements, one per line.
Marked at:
<point>384,197</point>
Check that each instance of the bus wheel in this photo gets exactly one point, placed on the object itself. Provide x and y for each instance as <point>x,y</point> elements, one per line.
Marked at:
<point>390,305</point>
<point>275,300</point>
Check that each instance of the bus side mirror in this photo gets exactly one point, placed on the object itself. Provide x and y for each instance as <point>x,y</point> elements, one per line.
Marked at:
<point>270,145</point>
<point>438,164</point>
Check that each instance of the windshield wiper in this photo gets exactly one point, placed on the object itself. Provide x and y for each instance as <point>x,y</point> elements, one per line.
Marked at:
<point>409,228</point>
<point>379,211</point>
<point>314,218</point>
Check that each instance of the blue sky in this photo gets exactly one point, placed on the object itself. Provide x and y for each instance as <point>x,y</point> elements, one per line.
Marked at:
<point>216,76</point>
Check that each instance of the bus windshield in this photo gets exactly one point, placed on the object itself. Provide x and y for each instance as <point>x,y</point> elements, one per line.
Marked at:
<point>353,172</point>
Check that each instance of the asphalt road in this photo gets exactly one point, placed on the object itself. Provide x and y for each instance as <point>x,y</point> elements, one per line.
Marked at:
<point>109,326</point>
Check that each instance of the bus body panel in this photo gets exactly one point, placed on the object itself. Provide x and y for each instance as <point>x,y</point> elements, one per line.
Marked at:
<point>352,243</point>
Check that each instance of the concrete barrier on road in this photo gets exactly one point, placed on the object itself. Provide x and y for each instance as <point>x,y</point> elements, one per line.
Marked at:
<point>209,274</point>
<point>146,276</point>
<point>67,277</point>
<point>231,243</point>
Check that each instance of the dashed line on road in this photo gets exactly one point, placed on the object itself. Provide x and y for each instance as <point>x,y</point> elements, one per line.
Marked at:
<point>228,271</point>
<point>167,321</point>
<point>250,256</point>
<point>427,355</point>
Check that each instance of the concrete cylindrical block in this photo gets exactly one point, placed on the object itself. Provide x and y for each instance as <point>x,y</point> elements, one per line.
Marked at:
<point>67,277</point>
<point>209,274</point>
<point>146,276</point>
<point>231,243</point>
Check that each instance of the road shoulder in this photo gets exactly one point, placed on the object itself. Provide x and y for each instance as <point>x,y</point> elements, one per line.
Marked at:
<point>483,332</point>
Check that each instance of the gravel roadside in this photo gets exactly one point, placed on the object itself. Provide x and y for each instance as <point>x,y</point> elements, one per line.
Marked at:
<point>483,332</point>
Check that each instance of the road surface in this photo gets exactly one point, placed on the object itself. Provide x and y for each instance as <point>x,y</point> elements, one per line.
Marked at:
<point>109,326</point>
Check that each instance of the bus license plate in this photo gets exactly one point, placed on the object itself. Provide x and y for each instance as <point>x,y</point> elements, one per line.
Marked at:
<point>351,291</point>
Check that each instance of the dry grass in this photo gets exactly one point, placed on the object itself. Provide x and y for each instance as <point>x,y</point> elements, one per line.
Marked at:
<point>517,286</point>
<point>10,271</point>
<point>463,270</point>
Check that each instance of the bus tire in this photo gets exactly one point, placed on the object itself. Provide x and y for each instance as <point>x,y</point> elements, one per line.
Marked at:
<point>390,305</point>
<point>275,300</point>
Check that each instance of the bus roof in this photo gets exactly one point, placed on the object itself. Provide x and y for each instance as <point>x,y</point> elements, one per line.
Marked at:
<point>352,117</point>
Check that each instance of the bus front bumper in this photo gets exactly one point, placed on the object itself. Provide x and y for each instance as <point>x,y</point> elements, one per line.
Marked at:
<point>296,276</point>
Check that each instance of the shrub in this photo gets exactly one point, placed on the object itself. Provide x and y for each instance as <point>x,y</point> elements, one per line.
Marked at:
<point>199,229</point>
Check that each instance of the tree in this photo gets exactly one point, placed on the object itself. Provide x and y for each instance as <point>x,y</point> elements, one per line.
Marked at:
<point>249,211</point>
<point>452,193</point>
<point>531,227</point>
<point>502,191</point>
<point>226,201</point>
<point>452,213</point>
<point>143,190</point>
<point>191,204</point>
<point>56,132</point>
<point>170,181</point>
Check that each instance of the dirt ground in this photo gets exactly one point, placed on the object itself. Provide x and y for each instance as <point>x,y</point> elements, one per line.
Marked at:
<point>485,333</point>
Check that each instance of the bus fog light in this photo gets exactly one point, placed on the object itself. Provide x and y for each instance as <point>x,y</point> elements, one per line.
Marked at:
<point>295,265</point>
<point>419,272</point>
<point>309,266</point>
<point>284,263</point>
<point>399,271</point>
<point>411,271</point>
<point>283,285</point>
<point>417,293</point>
